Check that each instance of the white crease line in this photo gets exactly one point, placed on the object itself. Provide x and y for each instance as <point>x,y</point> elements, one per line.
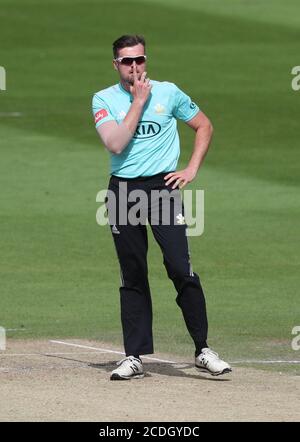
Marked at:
<point>15,329</point>
<point>48,354</point>
<point>265,362</point>
<point>101,350</point>
<point>51,367</point>
<point>110,351</point>
<point>104,350</point>
<point>10,114</point>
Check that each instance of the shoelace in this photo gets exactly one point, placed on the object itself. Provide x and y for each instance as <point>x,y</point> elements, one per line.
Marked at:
<point>129,359</point>
<point>211,353</point>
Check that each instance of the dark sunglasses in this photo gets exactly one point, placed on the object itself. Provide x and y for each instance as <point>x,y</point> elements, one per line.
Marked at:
<point>127,61</point>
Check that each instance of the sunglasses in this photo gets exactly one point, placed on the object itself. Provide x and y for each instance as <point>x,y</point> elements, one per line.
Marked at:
<point>127,61</point>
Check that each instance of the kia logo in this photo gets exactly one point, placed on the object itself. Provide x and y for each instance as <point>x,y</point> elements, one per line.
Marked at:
<point>147,129</point>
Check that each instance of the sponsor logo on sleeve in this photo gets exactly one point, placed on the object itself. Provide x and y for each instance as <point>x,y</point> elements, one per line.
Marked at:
<point>102,113</point>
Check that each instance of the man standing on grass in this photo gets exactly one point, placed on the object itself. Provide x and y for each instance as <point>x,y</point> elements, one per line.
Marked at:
<point>136,121</point>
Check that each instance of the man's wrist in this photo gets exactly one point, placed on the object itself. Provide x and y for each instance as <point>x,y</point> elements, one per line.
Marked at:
<point>138,103</point>
<point>193,169</point>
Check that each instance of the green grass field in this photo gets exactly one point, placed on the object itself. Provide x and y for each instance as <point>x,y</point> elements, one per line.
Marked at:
<point>59,272</point>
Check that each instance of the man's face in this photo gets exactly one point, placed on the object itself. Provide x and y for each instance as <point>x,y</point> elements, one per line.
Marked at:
<point>126,72</point>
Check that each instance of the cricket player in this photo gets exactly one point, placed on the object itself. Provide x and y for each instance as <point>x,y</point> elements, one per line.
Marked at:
<point>136,121</point>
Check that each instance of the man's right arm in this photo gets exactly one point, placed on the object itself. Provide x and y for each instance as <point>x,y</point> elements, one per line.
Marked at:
<point>117,136</point>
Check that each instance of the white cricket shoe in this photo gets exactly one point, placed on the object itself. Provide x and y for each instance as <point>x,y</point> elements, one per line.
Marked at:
<point>129,368</point>
<point>210,362</point>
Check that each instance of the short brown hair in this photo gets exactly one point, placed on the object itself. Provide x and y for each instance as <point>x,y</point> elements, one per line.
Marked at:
<point>126,41</point>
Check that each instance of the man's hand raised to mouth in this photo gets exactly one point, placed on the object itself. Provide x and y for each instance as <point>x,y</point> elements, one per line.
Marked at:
<point>140,90</point>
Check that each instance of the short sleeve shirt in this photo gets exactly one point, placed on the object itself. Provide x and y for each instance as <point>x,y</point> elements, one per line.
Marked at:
<point>155,146</point>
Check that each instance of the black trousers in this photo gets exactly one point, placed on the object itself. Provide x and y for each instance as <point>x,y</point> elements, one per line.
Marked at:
<point>131,244</point>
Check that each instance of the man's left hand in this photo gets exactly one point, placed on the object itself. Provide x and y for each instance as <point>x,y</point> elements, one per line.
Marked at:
<point>180,178</point>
